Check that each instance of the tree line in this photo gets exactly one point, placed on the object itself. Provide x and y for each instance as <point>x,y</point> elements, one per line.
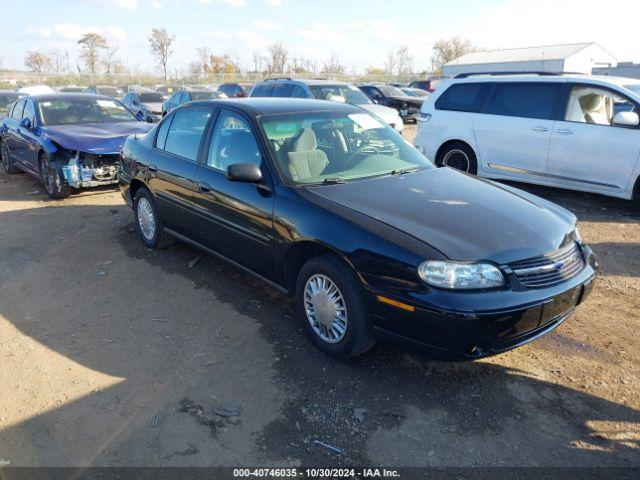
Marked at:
<point>96,56</point>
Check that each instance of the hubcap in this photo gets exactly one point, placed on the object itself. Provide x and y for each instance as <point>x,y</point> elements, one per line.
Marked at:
<point>456,159</point>
<point>325,308</point>
<point>4,152</point>
<point>47,176</point>
<point>146,219</point>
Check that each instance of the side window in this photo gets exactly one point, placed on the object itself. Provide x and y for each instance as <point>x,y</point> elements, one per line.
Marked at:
<point>463,97</point>
<point>281,89</point>
<point>161,138</point>
<point>29,112</point>
<point>298,91</point>
<point>261,90</point>
<point>185,132</point>
<point>184,97</point>
<point>528,100</point>
<point>232,142</point>
<point>17,110</point>
<point>595,105</point>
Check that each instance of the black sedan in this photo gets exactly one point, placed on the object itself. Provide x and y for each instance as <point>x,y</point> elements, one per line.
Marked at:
<point>327,204</point>
<point>188,95</point>
<point>389,96</point>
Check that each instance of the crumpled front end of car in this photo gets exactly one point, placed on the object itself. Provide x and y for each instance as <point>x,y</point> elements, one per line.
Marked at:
<point>86,169</point>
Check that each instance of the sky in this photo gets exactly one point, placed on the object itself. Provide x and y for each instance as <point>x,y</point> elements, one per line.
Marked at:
<point>360,32</point>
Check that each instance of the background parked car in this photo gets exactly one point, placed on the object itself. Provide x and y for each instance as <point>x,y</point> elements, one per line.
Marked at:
<point>36,90</point>
<point>232,90</point>
<point>107,90</point>
<point>145,105</point>
<point>7,97</point>
<point>393,97</point>
<point>67,140</point>
<point>188,95</point>
<point>428,85</point>
<point>571,131</point>
<point>415,92</point>
<point>70,89</point>
<point>326,90</point>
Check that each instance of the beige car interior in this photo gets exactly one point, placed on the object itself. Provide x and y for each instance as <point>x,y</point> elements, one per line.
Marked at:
<point>591,105</point>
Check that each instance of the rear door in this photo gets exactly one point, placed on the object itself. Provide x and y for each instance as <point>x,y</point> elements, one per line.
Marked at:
<point>235,218</point>
<point>173,163</point>
<point>514,130</point>
<point>29,144</point>
<point>589,152</point>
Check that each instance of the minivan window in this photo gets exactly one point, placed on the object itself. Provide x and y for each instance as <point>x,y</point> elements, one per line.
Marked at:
<point>186,131</point>
<point>261,90</point>
<point>590,104</point>
<point>523,99</point>
<point>463,97</point>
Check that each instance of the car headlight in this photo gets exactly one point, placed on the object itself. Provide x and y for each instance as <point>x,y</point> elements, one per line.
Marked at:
<point>462,276</point>
<point>577,237</point>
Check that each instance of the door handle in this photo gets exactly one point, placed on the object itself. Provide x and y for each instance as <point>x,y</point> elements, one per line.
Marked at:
<point>565,132</point>
<point>204,187</point>
<point>541,129</point>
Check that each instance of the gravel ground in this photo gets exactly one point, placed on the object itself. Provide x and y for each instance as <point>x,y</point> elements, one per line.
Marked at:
<point>113,354</point>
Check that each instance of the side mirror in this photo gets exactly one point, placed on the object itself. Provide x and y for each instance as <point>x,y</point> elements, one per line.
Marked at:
<point>140,116</point>
<point>244,172</point>
<point>626,119</point>
<point>25,123</point>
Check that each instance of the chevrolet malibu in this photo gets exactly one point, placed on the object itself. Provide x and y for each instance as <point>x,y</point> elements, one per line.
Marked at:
<point>327,204</point>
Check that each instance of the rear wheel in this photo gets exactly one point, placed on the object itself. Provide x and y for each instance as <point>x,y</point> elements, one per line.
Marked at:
<point>7,163</point>
<point>53,184</point>
<point>148,223</point>
<point>460,156</point>
<point>331,305</point>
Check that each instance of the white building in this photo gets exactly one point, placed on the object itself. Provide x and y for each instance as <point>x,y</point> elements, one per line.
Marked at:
<point>575,57</point>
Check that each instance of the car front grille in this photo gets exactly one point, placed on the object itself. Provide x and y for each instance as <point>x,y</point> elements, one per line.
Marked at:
<point>550,269</point>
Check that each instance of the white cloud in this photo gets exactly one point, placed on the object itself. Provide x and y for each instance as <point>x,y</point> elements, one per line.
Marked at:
<point>319,32</point>
<point>233,3</point>
<point>264,25</point>
<point>41,32</point>
<point>157,4</point>
<point>273,3</point>
<point>73,31</point>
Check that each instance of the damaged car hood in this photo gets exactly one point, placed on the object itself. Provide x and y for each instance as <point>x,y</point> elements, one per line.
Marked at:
<point>100,138</point>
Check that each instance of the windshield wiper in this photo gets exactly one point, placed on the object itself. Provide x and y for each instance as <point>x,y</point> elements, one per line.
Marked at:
<point>402,171</point>
<point>332,181</point>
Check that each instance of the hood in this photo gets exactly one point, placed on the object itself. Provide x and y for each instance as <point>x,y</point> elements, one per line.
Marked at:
<point>153,107</point>
<point>100,138</point>
<point>389,115</point>
<point>465,218</point>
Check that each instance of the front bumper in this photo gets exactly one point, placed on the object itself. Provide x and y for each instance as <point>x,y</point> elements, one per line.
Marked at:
<point>475,324</point>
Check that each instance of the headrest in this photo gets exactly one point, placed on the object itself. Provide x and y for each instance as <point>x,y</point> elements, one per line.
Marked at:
<point>306,141</point>
<point>591,102</point>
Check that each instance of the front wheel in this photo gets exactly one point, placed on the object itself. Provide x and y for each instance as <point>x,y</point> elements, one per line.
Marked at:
<point>460,156</point>
<point>331,305</point>
<point>55,187</point>
<point>148,223</point>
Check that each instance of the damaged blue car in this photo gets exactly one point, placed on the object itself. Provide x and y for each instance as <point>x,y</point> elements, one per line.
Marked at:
<point>67,141</point>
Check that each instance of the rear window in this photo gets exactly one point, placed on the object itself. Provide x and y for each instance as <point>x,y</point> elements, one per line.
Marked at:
<point>150,97</point>
<point>281,90</point>
<point>528,100</point>
<point>463,97</point>
<point>261,90</point>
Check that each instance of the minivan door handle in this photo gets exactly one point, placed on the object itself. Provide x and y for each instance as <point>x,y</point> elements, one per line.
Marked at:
<point>541,129</point>
<point>564,132</point>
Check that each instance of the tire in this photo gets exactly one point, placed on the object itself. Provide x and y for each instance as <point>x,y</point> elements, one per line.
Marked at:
<point>148,223</point>
<point>460,156</point>
<point>7,163</point>
<point>53,184</point>
<point>358,331</point>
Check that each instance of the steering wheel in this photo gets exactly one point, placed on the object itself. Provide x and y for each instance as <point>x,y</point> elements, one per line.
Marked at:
<point>360,151</point>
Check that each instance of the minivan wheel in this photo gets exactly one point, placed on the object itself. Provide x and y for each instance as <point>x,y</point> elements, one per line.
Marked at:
<point>460,156</point>
<point>54,186</point>
<point>7,164</point>
<point>331,305</point>
<point>148,223</point>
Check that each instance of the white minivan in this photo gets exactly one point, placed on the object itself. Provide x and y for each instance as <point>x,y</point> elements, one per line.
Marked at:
<point>572,131</point>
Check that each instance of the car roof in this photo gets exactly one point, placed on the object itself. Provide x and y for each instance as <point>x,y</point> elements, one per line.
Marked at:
<point>560,78</point>
<point>43,97</point>
<point>306,81</point>
<point>270,106</point>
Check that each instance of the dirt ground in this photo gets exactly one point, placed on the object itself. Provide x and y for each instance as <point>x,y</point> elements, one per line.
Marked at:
<point>112,354</point>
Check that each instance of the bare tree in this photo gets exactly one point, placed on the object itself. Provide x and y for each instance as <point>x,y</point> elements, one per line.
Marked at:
<point>37,62</point>
<point>258,61</point>
<point>203,54</point>
<point>67,67</point>
<point>390,62</point>
<point>57,61</point>
<point>404,60</point>
<point>90,45</point>
<point>304,65</point>
<point>277,59</point>
<point>110,60</point>
<point>222,64</point>
<point>160,42</point>
<point>447,50</point>
<point>333,66</point>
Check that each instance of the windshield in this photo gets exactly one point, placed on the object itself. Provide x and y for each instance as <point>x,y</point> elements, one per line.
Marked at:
<point>80,111</point>
<point>6,101</point>
<point>339,93</point>
<point>151,97</point>
<point>203,95</point>
<point>335,147</point>
<point>634,87</point>
<point>390,91</point>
